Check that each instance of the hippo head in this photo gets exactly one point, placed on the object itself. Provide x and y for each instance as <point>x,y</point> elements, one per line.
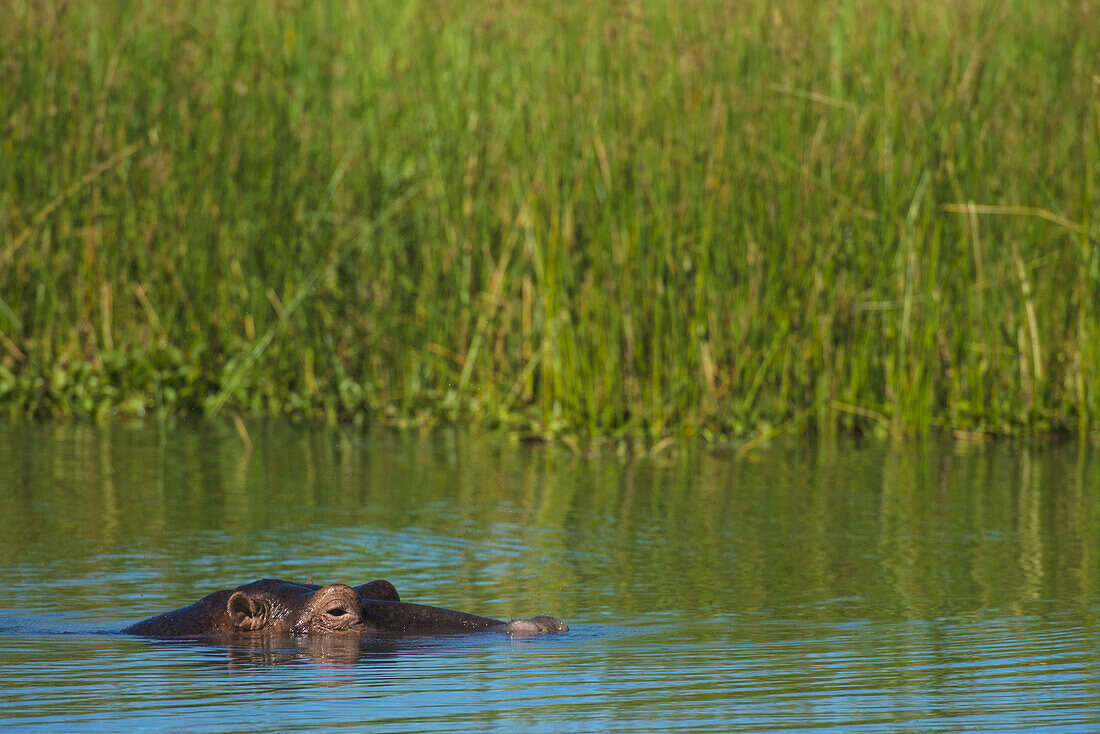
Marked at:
<point>266,606</point>
<point>286,607</point>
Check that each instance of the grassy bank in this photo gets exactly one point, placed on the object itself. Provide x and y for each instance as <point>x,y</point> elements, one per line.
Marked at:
<point>607,219</point>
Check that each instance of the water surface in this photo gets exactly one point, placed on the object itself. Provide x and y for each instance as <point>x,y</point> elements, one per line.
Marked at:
<point>936,587</point>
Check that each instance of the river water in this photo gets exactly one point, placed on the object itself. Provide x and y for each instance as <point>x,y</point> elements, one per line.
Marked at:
<point>938,587</point>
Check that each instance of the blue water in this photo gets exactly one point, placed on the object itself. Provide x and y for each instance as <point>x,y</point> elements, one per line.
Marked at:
<point>940,587</point>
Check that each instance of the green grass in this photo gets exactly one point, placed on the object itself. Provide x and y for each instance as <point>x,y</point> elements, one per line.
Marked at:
<point>604,219</point>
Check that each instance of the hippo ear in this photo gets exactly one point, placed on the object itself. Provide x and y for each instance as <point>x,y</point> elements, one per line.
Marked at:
<point>246,612</point>
<point>381,590</point>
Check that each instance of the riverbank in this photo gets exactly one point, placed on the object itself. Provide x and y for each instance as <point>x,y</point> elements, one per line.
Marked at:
<point>597,221</point>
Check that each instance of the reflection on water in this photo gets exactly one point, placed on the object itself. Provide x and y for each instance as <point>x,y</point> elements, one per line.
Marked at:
<point>939,587</point>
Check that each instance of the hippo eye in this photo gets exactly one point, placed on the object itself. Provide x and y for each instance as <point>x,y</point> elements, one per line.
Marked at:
<point>336,611</point>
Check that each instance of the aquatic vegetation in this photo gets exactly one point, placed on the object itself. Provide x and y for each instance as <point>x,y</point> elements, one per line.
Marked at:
<point>600,219</point>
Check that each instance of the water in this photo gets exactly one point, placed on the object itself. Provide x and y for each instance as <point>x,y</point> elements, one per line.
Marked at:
<point>938,587</point>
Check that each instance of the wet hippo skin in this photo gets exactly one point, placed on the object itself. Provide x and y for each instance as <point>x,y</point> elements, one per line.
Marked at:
<point>268,605</point>
<point>274,606</point>
<point>419,619</point>
<point>379,589</point>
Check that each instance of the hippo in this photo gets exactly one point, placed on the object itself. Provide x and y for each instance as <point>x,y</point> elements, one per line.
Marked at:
<point>274,606</point>
<point>268,605</point>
